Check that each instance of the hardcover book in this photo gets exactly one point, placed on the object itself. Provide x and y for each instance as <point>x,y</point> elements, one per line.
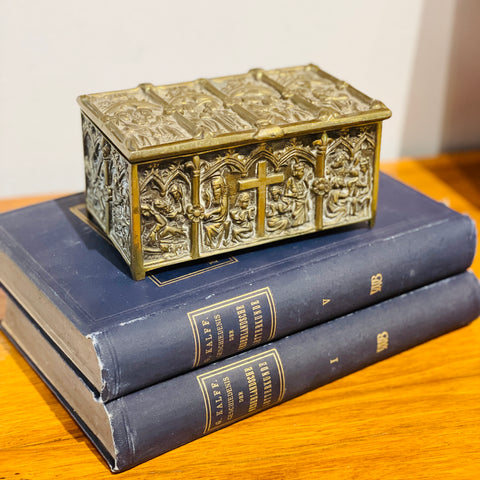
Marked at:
<point>122,335</point>
<point>144,424</point>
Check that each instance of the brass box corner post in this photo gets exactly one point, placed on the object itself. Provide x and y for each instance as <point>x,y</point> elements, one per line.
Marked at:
<point>137,265</point>
<point>376,174</point>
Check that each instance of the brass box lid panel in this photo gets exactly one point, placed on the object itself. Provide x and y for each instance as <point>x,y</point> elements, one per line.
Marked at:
<point>153,122</point>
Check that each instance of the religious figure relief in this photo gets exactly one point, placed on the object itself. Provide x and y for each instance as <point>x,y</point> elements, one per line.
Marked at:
<point>164,226</point>
<point>277,213</point>
<point>262,101</point>
<point>107,102</point>
<point>157,227</point>
<point>242,216</point>
<point>205,111</point>
<point>333,101</point>
<point>333,98</point>
<point>160,234</point>
<point>176,200</point>
<point>217,120</point>
<point>362,189</point>
<point>146,125</point>
<point>347,187</point>
<point>216,225</point>
<point>339,182</point>
<point>141,121</point>
<point>297,194</point>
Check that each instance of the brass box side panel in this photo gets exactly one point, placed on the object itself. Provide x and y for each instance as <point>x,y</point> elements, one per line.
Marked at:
<point>107,187</point>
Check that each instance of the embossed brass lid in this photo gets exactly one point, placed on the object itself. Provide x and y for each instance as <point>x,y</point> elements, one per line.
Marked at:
<point>152,122</point>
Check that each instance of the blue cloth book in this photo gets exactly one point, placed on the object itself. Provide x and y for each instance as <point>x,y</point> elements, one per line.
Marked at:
<point>124,335</point>
<point>146,423</point>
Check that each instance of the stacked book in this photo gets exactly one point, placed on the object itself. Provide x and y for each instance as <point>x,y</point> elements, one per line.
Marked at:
<point>147,366</point>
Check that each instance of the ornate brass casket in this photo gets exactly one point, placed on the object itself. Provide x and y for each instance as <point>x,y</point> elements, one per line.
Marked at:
<point>179,172</point>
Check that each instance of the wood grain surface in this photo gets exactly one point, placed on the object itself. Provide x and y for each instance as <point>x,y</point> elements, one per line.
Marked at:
<point>413,416</point>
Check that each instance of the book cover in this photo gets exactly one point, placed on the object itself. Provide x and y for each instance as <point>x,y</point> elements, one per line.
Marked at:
<point>123,334</point>
<point>144,424</point>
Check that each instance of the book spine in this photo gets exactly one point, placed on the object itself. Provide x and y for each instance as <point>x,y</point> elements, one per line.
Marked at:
<point>259,307</point>
<point>154,420</point>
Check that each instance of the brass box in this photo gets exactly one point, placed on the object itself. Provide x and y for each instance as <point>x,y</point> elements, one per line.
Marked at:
<point>184,171</point>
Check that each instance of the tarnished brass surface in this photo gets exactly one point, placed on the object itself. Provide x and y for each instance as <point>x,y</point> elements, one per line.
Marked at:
<point>184,171</point>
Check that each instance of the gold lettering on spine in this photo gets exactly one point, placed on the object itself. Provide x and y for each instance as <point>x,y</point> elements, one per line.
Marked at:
<point>267,383</point>
<point>252,389</point>
<point>217,395</point>
<point>241,388</point>
<point>230,399</point>
<point>257,321</point>
<point>247,308</point>
<point>382,342</point>
<point>220,334</point>
<point>243,325</point>
<point>208,337</point>
<point>376,283</point>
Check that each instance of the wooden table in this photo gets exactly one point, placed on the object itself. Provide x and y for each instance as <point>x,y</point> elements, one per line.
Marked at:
<point>416,415</point>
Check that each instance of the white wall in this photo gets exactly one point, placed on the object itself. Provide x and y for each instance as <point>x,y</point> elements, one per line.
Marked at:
<point>397,51</point>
